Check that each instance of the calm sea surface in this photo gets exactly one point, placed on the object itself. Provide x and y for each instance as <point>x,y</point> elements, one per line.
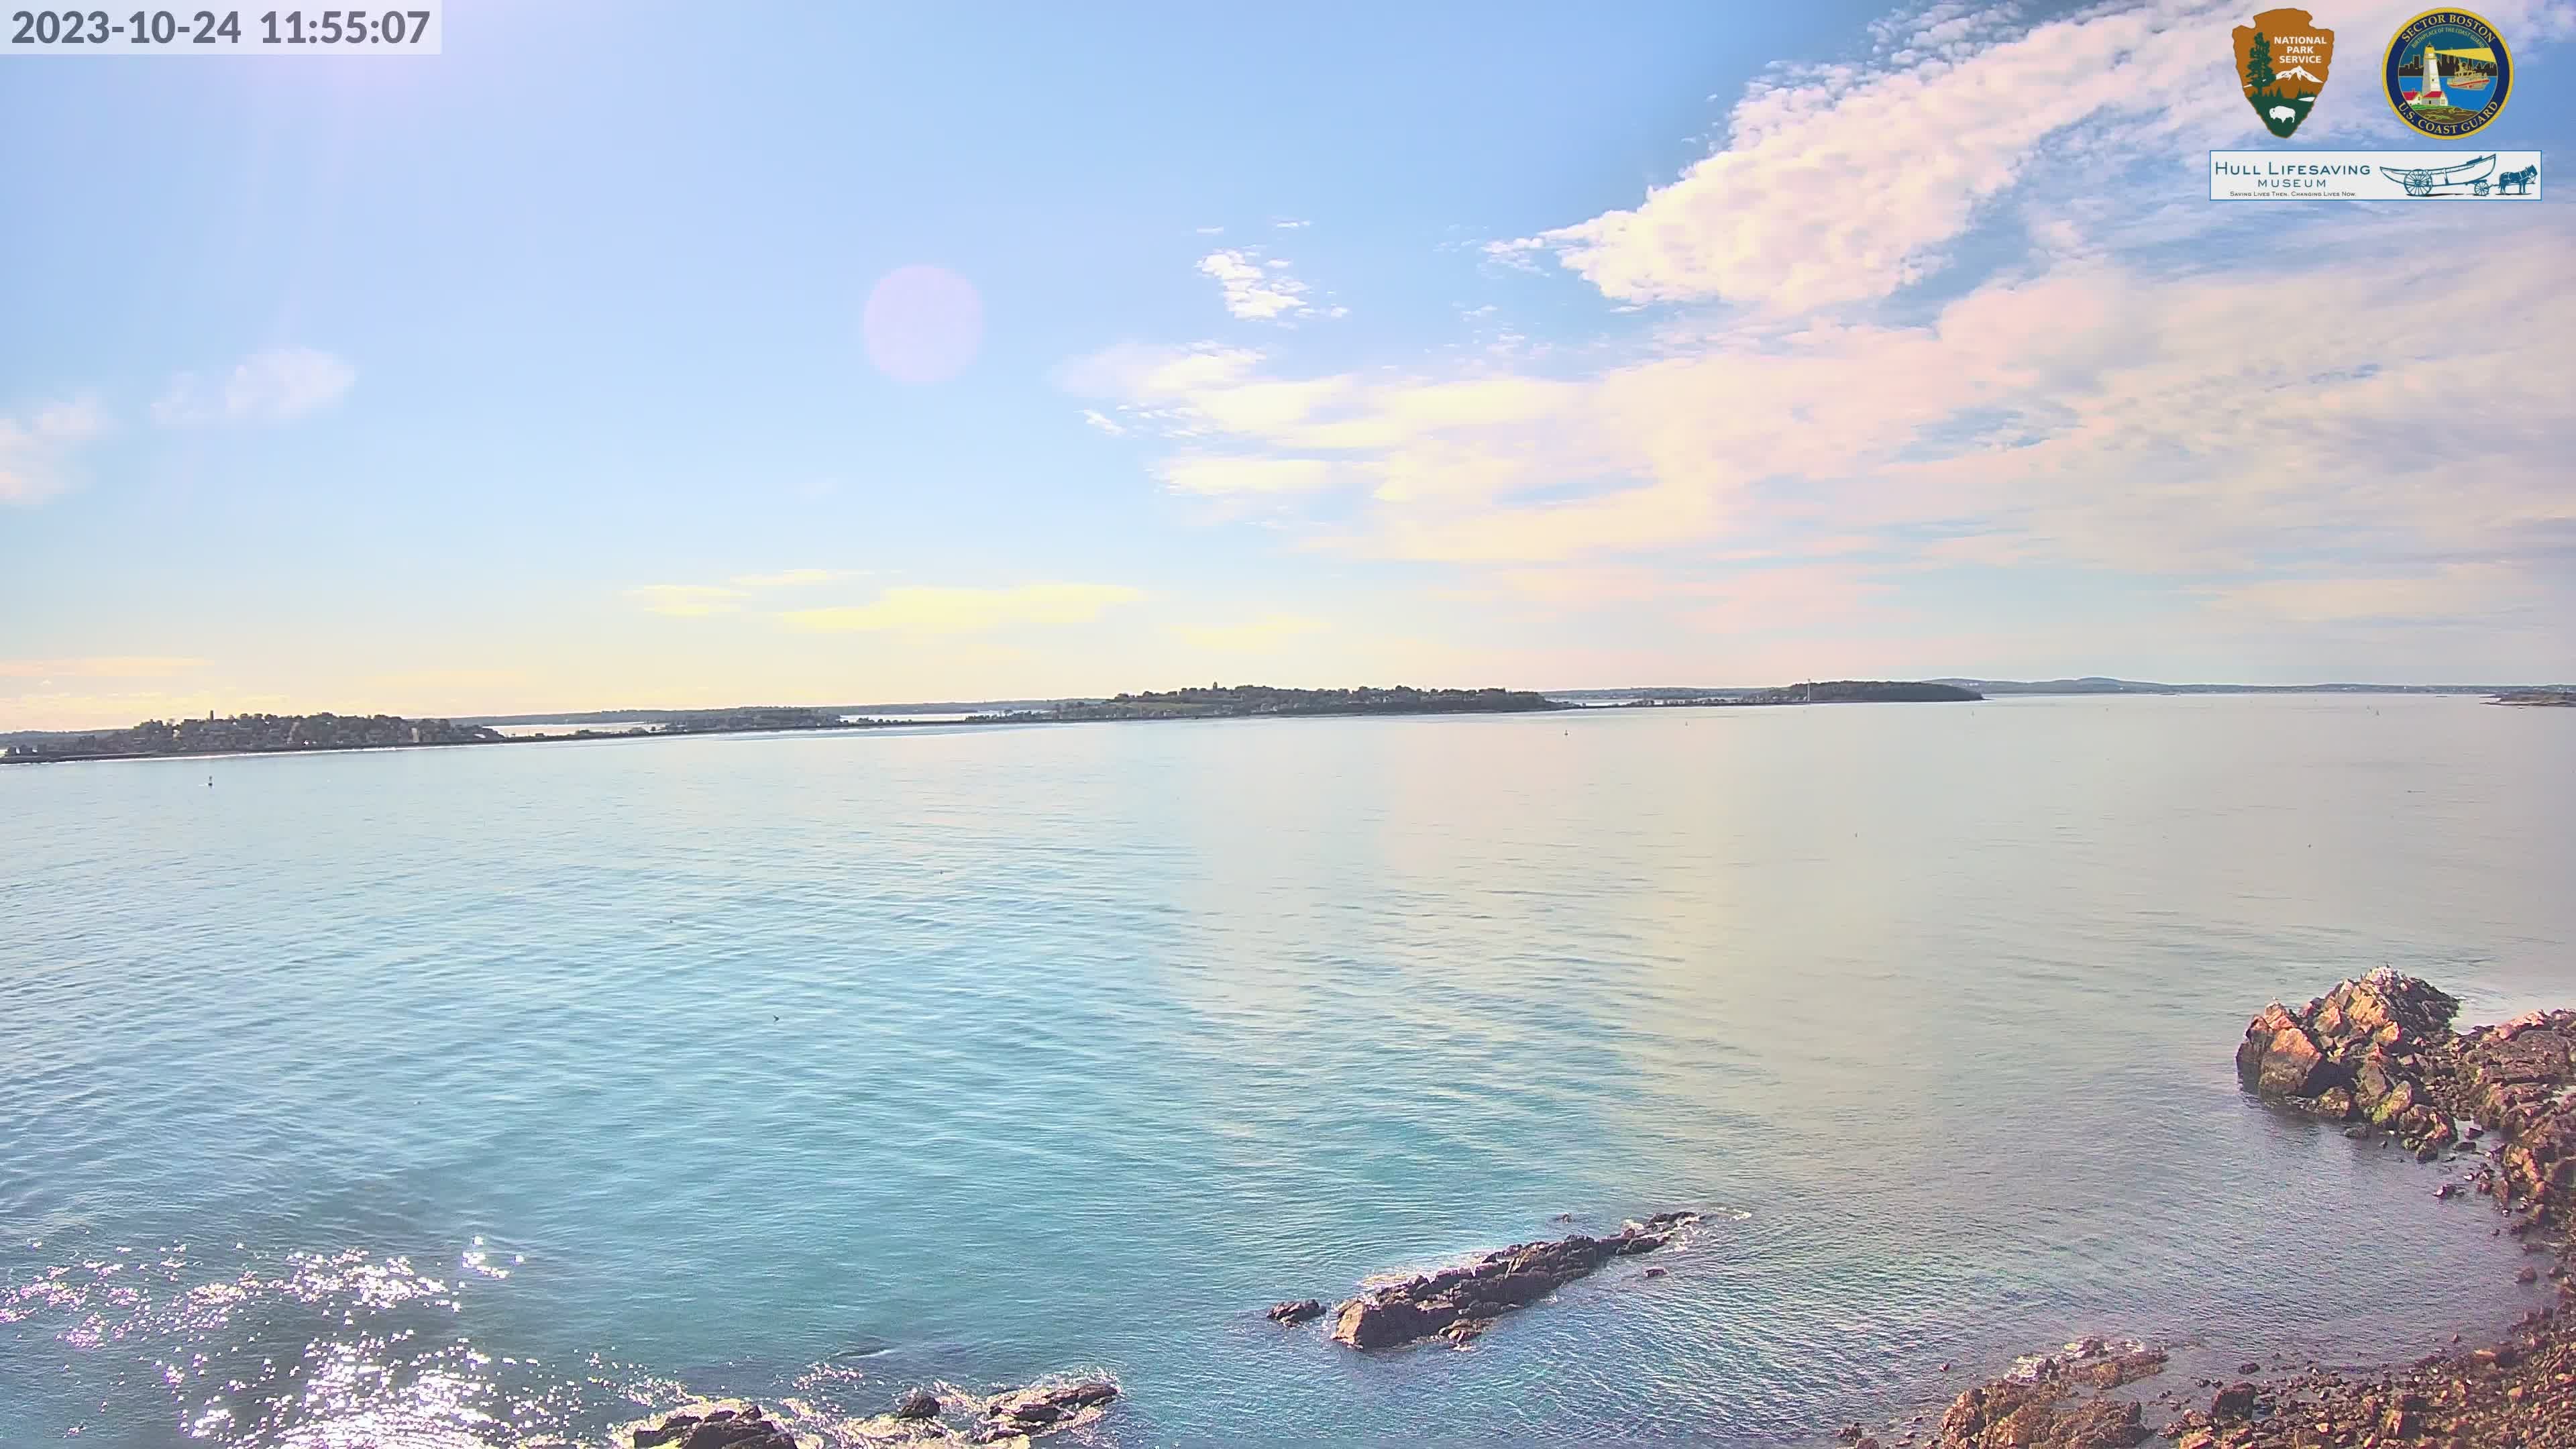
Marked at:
<point>442,1098</point>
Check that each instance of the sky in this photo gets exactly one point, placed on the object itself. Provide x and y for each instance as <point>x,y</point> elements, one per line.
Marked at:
<point>626,354</point>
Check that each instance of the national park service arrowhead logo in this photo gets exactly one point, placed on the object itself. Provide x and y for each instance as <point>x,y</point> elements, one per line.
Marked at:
<point>2281,62</point>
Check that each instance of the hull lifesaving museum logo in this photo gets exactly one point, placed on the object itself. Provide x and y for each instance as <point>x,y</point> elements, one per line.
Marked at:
<point>2447,73</point>
<point>2281,60</point>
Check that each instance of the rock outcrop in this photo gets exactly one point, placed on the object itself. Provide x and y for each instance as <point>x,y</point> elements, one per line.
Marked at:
<point>2517,1080</point>
<point>1296,1310</point>
<point>2039,1415</point>
<point>920,1417</point>
<point>744,1428</point>
<point>2380,1051</point>
<point>2364,1052</point>
<point>1043,1409</point>
<point>2041,1404</point>
<point>1459,1304</point>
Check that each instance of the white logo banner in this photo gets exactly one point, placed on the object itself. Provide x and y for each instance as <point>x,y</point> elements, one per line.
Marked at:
<point>2374,176</point>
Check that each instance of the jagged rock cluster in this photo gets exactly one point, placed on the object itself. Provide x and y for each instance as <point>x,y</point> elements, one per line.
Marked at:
<point>1459,1304</point>
<point>2362,1052</point>
<point>2041,1407</point>
<point>2380,1051</point>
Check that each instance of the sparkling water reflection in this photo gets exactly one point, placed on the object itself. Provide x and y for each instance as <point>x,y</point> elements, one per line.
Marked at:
<point>508,1095</point>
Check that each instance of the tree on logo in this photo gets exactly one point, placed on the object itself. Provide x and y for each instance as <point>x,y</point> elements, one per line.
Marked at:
<point>2280,111</point>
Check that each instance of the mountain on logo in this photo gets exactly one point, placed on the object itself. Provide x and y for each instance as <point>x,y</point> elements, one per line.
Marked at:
<point>2281,63</point>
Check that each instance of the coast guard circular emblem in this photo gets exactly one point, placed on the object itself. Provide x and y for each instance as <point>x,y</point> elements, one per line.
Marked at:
<point>2447,72</point>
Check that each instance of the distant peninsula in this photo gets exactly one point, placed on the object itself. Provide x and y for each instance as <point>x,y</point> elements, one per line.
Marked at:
<point>277,734</point>
<point>250,734</point>
<point>1828,691</point>
<point>2539,698</point>
<point>1243,701</point>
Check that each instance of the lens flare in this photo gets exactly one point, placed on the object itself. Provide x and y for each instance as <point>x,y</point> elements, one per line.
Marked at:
<point>924,324</point>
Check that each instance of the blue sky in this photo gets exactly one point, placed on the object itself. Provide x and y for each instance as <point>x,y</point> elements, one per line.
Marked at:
<point>1449,345</point>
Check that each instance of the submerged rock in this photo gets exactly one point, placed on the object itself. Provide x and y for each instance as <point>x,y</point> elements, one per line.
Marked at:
<point>1461,1303</point>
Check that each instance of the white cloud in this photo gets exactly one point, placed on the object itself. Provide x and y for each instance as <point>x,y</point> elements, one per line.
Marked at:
<point>1254,292</point>
<point>2097,402</point>
<point>274,386</point>
<point>2105,416</point>
<point>1096,418</point>
<point>924,610</point>
<point>36,449</point>
<point>1842,183</point>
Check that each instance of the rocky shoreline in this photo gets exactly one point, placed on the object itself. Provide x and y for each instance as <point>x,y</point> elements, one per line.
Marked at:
<point>2379,1055</point>
<point>920,1417</point>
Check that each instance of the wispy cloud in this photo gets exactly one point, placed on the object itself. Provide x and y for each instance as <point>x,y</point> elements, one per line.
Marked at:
<point>927,610</point>
<point>274,386</point>
<point>99,666</point>
<point>1844,182</point>
<point>36,448</point>
<point>791,578</point>
<point>686,601</point>
<point>2083,399</point>
<point>1252,290</point>
<point>1257,636</point>
<point>1217,476</point>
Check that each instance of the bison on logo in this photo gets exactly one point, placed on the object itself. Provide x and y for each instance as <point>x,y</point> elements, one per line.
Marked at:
<point>2281,60</point>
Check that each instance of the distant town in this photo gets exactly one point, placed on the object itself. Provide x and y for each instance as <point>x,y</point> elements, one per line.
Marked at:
<point>308,733</point>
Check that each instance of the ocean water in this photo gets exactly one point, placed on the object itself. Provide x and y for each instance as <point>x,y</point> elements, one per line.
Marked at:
<point>480,1096</point>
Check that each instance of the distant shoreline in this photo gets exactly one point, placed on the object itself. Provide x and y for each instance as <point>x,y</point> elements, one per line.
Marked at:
<point>1235,702</point>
